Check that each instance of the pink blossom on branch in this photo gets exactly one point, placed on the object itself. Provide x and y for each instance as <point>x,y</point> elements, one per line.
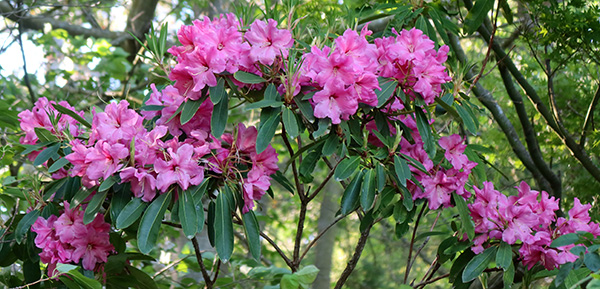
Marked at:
<point>267,42</point>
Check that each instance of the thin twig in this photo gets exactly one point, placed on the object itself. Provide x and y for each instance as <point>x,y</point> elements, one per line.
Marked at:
<point>412,242</point>
<point>354,260</point>
<point>170,266</point>
<point>26,76</point>
<point>281,253</point>
<point>208,282</point>
<point>314,241</point>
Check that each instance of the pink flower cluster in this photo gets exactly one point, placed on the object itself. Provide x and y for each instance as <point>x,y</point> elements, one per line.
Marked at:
<point>66,239</point>
<point>347,74</point>
<point>530,220</point>
<point>210,48</point>
<point>237,155</point>
<point>39,116</point>
<point>119,143</point>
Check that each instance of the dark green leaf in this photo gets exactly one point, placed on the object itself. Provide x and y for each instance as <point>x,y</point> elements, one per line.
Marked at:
<point>425,132</point>
<point>223,227</point>
<point>387,89</point>
<point>106,184</point>
<point>72,114</point>
<point>271,92</point>
<point>187,214</point>
<point>94,206</point>
<point>351,194</point>
<point>217,92</point>
<point>80,196</point>
<point>331,144</point>
<point>80,279</point>
<point>248,78</point>
<point>476,15</point>
<point>143,279</point>
<point>346,168</point>
<point>264,103</point>
<point>211,223</point>
<point>305,108</point>
<point>58,164</point>
<point>504,256</point>
<point>252,230</point>
<point>266,132</point>
<point>190,107</point>
<point>46,154</point>
<point>509,276</point>
<point>479,263</point>
<point>402,170</point>
<point>565,240</point>
<point>25,224</point>
<point>219,117</point>
<point>283,181</point>
<point>290,123</point>
<point>380,177</point>
<point>179,109</point>
<point>592,261</point>
<point>466,119</point>
<point>44,135</point>
<point>465,217</point>
<point>150,224</point>
<point>368,189</point>
<point>130,213</point>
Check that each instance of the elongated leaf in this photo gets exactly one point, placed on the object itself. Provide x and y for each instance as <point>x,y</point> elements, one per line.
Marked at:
<point>94,206</point>
<point>248,78</point>
<point>281,179</point>
<point>143,279</point>
<point>179,109</point>
<point>465,217</point>
<point>130,213</point>
<point>266,132</point>
<point>187,214</point>
<point>46,154</point>
<point>565,240</point>
<point>367,195</point>
<point>106,184</point>
<point>402,170</point>
<point>305,108</point>
<point>509,276</point>
<point>380,177</point>
<point>504,256</point>
<point>425,132</point>
<point>351,194</point>
<point>81,280</point>
<point>331,144</point>
<point>263,103</point>
<point>592,261</point>
<point>252,230</point>
<point>289,120</point>
<point>44,135</point>
<point>223,227</point>
<point>217,92</point>
<point>307,275</point>
<point>467,119</point>
<point>190,108</point>
<point>271,92</point>
<point>346,168</point>
<point>151,221</point>
<point>219,117</point>
<point>58,164</point>
<point>25,224</point>
<point>477,14</point>
<point>476,266</point>
<point>387,89</point>
<point>72,114</point>
<point>211,223</point>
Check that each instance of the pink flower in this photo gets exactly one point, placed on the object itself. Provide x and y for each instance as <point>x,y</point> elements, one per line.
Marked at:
<point>104,159</point>
<point>334,102</point>
<point>201,66</point>
<point>181,168</point>
<point>94,247</point>
<point>268,42</point>
<point>143,183</point>
<point>254,187</point>
<point>454,150</point>
<point>117,124</point>
<point>39,117</point>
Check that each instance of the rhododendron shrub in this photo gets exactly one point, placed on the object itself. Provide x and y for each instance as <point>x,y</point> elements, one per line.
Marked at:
<point>360,107</point>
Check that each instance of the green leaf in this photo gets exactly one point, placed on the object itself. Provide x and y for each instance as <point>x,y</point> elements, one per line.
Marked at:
<point>252,229</point>
<point>331,144</point>
<point>425,132</point>
<point>187,214</point>
<point>190,107</point>
<point>141,278</point>
<point>402,170</point>
<point>211,223</point>
<point>289,281</point>
<point>25,224</point>
<point>565,240</point>
<point>248,78</point>
<point>130,213</point>
<point>346,168</point>
<point>46,154</point>
<point>281,179</point>
<point>592,261</point>
<point>290,123</point>
<point>72,114</point>
<point>94,206</point>
<point>380,177</point>
<point>223,227</point>
<point>307,275</point>
<point>44,135</point>
<point>266,132</point>
<point>387,89</point>
<point>263,103</point>
<point>509,276</point>
<point>218,120</point>
<point>351,194</point>
<point>150,224</point>
<point>504,256</point>
<point>367,195</point>
<point>179,109</point>
<point>465,217</point>
<point>305,108</point>
<point>80,279</point>
<point>467,119</point>
<point>476,15</point>
<point>479,263</point>
<point>58,164</point>
<point>217,92</point>
<point>106,184</point>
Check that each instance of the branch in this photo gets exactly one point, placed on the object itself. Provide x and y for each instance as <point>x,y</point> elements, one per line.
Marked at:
<point>205,275</point>
<point>352,262</point>
<point>314,241</point>
<point>285,258</point>
<point>589,117</point>
<point>38,22</point>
